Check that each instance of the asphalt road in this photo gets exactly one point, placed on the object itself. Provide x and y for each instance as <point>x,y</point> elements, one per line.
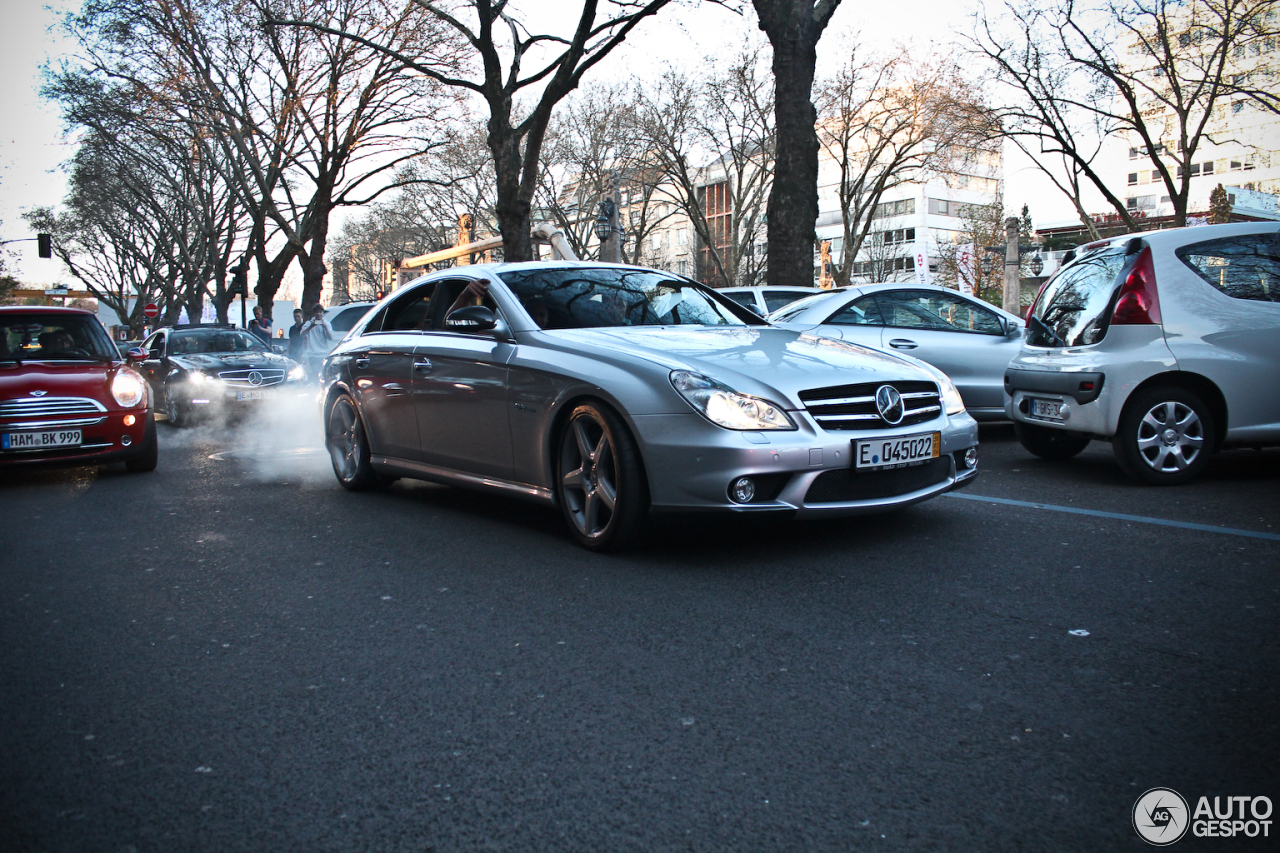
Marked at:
<point>232,654</point>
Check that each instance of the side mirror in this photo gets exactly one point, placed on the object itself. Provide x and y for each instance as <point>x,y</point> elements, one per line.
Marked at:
<point>473,318</point>
<point>1011,328</point>
<point>136,354</point>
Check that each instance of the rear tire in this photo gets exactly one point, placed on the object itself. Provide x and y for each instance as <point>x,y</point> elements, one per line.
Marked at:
<point>149,454</point>
<point>1056,445</point>
<point>348,447</point>
<point>600,482</point>
<point>1165,436</point>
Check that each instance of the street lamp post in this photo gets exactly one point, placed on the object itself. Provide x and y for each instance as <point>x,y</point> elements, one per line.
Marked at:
<point>607,228</point>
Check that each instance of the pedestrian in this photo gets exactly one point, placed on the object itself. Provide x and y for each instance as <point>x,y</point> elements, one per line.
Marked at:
<point>260,326</point>
<point>297,342</point>
<point>319,337</point>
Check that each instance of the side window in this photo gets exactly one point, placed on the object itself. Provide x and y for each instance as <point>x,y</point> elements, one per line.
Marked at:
<point>773,300</point>
<point>910,309</point>
<point>348,318</point>
<point>411,312</point>
<point>861,312</point>
<point>1245,267</point>
<point>962,315</point>
<point>747,299</point>
<point>155,349</point>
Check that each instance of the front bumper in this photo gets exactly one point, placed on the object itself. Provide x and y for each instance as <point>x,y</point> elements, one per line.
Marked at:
<point>809,471</point>
<point>108,440</point>
<point>228,400</point>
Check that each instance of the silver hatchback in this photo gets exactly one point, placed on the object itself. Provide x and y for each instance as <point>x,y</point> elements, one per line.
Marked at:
<point>1165,343</point>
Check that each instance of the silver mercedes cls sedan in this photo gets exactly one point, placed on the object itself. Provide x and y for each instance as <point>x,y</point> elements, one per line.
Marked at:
<point>610,391</point>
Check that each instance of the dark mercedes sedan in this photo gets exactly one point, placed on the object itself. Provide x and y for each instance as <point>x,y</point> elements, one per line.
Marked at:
<point>201,370</point>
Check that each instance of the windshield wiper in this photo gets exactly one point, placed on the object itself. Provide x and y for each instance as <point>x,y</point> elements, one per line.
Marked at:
<point>1043,328</point>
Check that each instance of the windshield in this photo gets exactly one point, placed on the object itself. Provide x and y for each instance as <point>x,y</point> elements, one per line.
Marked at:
<point>53,337</point>
<point>1074,309</point>
<point>594,298</point>
<point>188,341</point>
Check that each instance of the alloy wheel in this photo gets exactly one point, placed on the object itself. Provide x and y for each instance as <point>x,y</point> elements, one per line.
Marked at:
<point>588,474</point>
<point>344,440</point>
<point>1170,437</point>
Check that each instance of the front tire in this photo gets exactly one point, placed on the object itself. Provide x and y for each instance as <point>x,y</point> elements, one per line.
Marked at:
<point>600,482</point>
<point>149,455</point>
<point>173,411</point>
<point>348,446</point>
<point>1055,445</point>
<point>1165,436</point>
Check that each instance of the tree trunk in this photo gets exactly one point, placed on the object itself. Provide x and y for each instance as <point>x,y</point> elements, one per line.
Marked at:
<point>514,213</point>
<point>793,28</point>
<point>312,261</point>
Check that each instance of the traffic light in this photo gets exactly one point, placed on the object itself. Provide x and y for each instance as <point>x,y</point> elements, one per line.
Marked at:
<point>44,242</point>
<point>379,295</point>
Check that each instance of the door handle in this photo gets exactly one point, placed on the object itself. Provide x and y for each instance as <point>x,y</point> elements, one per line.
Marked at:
<point>422,364</point>
<point>362,362</point>
<point>903,343</point>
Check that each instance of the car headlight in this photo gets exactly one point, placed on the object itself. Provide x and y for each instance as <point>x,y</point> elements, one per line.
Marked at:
<point>199,377</point>
<point>298,372</point>
<point>951,400</point>
<point>725,407</point>
<point>128,389</point>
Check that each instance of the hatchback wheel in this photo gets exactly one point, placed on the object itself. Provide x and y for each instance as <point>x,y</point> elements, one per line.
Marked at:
<point>1052,444</point>
<point>149,453</point>
<point>349,448</point>
<point>1165,436</point>
<point>600,483</point>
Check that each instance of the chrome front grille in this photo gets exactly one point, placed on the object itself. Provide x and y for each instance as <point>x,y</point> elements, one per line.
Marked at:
<point>244,378</point>
<point>854,406</point>
<point>46,407</point>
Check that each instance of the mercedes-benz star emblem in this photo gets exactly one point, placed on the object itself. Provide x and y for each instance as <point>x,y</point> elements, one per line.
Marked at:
<point>255,379</point>
<point>889,404</point>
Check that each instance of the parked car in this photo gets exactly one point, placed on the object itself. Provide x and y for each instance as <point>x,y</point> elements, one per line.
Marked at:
<point>66,394</point>
<point>609,390</point>
<point>342,317</point>
<point>967,339</point>
<point>1165,343</point>
<point>768,298</point>
<point>203,369</point>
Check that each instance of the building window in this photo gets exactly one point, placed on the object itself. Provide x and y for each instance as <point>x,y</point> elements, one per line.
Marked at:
<point>1133,177</point>
<point>717,208</point>
<point>902,207</point>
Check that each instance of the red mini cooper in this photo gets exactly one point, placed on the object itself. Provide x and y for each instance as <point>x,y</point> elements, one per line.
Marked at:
<point>66,395</point>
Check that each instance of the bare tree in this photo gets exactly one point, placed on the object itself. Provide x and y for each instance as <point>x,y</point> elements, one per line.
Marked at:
<point>1157,72</point>
<point>886,122</point>
<point>501,45</point>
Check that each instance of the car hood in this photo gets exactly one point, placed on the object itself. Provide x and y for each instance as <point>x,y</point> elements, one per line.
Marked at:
<point>231,361</point>
<point>74,379</point>
<point>762,360</point>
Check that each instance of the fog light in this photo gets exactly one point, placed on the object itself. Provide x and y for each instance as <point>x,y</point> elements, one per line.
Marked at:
<point>971,458</point>
<point>742,490</point>
<point>130,420</point>
<point>126,440</point>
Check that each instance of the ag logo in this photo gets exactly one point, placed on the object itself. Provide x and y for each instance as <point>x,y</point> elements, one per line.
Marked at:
<point>1160,816</point>
<point>889,404</point>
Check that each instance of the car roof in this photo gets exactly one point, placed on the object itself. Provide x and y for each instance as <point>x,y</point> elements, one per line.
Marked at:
<point>1180,236</point>
<point>766,287</point>
<point>42,309</point>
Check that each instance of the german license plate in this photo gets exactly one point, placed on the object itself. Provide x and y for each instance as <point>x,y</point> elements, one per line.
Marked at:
<point>36,440</point>
<point>897,451</point>
<point>251,395</point>
<point>1047,409</point>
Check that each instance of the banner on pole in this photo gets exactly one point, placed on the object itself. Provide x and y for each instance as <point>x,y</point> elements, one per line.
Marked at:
<point>966,268</point>
<point>922,265</point>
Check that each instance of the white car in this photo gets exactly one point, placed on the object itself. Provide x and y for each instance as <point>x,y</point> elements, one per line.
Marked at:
<point>766,299</point>
<point>342,317</point>
<point>1165,343</point>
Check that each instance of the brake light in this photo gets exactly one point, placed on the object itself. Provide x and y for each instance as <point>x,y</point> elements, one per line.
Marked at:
<point>1138,303</point>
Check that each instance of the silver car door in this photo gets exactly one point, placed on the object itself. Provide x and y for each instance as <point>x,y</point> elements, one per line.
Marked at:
<point>460,392</point>
<point>381,367</point>
<point>859,322</point>
<point>956,335</point>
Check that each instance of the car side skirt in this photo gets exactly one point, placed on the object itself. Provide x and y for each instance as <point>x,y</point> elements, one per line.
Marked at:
<point>451,477</point>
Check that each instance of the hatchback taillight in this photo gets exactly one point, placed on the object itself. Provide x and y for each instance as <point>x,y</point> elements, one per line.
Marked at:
<point>1138,303</point>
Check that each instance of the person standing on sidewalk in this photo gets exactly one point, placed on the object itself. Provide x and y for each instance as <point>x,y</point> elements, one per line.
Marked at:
<point>260,326</point>
<point>319,336</point>
<point>297,342</point>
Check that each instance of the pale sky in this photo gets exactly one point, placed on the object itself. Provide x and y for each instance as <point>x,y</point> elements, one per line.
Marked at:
<point>32,145</point>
